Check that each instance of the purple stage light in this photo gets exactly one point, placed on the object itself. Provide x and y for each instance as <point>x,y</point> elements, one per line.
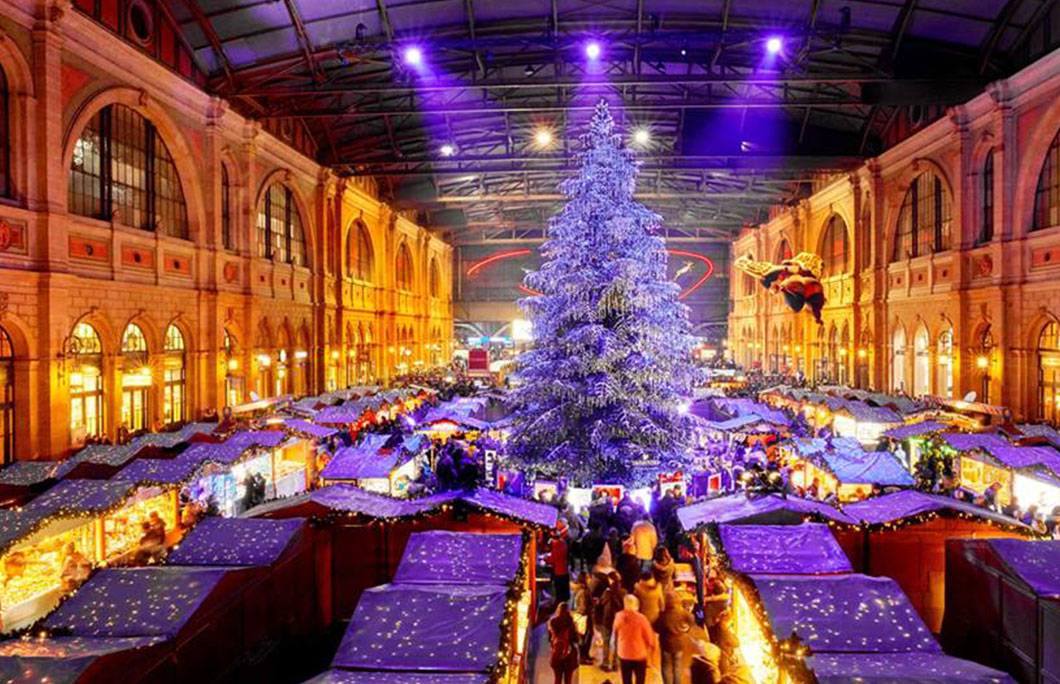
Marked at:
<point>413,56</point>
<point>774,45</point>
<point>592,50</point>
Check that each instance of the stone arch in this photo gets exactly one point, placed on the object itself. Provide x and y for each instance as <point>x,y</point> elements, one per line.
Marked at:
<point>1032,159</point>
<point>264,338</point>
<point>902,183</point>
<point>362,228</point>
<point>21,97</point>
<point>186,329</point>
<point>184,157</point>
<point>22,340</point>
<point>284,178</point>
<point>109,339</point>
<point>153,335</point>
<point>847,230</point>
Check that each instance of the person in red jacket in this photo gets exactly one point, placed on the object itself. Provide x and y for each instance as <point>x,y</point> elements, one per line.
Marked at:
<point>557,561</point>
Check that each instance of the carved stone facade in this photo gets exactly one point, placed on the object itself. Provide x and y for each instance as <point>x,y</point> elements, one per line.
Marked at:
<point>241,317</point>
<point>969,304</point>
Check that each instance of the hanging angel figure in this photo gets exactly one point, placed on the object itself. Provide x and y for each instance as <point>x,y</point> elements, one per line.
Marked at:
<point>797,278</point>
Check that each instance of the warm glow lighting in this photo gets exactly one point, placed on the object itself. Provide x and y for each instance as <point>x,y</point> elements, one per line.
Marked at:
<point>543,137</point>
<point>641,136</point>
<point>335,354</point>
<point>592,50</point>
<point>862,353</point>
<point>843,351</point>
<point>301,354</point>
<point>233,364</point>
<point>774,45</point>
<point>982,362</point>
<point>448,150</point>
<point>413,56</point>
<point>144,372</point>
<point>264,359</point>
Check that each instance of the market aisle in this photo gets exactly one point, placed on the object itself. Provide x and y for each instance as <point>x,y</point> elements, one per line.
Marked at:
<point>541,673</point>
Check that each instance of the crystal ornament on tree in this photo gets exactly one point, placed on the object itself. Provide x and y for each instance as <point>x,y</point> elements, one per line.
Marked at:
<point>611,360</point>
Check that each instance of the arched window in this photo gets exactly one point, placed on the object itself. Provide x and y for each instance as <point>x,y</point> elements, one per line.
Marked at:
<point>404,268</point>
<point>86,383</point>
<point>924,220</point>
<point>1049,373</point>
<point>922,362</point>
<point>227,238</point>
<point>986,227</point>
<point>5,137</point>
<point>233,373</point>
<point>122,171</point>
<point>359,255</point>
<point>898,360</point>
<point>280,235</point>
<point>435,278</point>
<point>835,247</point>
<point>135,379</point>
<point>945,363</point>
<point>1047,195</point>
<point>173,393</point>
<point>7,398</point>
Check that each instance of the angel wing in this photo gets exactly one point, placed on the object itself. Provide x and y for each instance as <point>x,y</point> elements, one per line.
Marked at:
<point>808,262</point>
<point>758,269</point>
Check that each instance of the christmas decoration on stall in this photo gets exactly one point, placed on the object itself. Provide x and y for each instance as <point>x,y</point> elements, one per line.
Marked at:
<point>610,365</point>
<point>797,279</point>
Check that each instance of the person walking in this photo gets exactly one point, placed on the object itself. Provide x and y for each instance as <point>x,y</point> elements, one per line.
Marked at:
<point>583,608</point>
<point>650,594</point>
<point>609,605</point>
<point>663,568</point>
<point>645,538</point>
<point>563,639</point>
<point>557,561</point>
<point>674,627</point>
<point>635,642</point>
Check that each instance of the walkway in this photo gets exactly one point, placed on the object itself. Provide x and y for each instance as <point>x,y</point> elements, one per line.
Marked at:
<point>541,673</point>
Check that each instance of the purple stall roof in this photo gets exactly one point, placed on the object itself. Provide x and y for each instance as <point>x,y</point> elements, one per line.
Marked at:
<point>159,471</point>
<point>902,668</point>
<point>1035,562</point>
<point>26,473</point>
<point>262,438</point>
<point>240,542</point>
<point>354,677</point>
<point>60,660</point>
<point>134,602</point>
<point>333,415</point>
<point>844,613</point>
<point>1047,432</point>
<point>1027,457</point>
<point>436,416</point>
<point>771,508</point>
<point>806,549</point>
<point>414,627</point>
<point>438,557</point>
<point>924,427</point>
<point>18,525</point>
<point>898,506</point>
<point>966,441</point>
<point>355,463</point>
<point>865,467</point>
<point>543,515</point>
<point>311,429</point>
<point>869,414</point>
<point>222,454</point>
<point>87,496</point>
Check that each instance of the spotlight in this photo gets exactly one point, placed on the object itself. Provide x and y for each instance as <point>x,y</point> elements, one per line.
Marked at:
<point>447,150</point>
<point>774,45</point>
<point>592,50</point>
<point>413,56</point>
<point>641,136</point>
<point>543,137</point>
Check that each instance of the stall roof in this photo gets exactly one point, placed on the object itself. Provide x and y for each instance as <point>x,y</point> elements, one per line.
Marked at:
<point>160,471</point>
<point>1037,563</point>
<point>771,508</point>
<point>909,503</point>
<point>869,414</point>
<point>311,429</point>
<point>357,463</point>
<point>737,423</point>
<point>924,427</point>
<point>88,496</point>
<point>901,668</point>
<point>347,413</point>
<point>966,441</point>
<point>134,602</point>
<point>439,557</point>
<point>438,415</point>
<point>109,454</point>
<point>355,677</point>
<point>806,549</point>
<point>433,628</point>
<point>349,499</point>
<point>261,438</point>
<point>17,525</point>
<point>60,660</point>
<point>1041,430</point>
<point>168,439</point>
<point>844,613</point>
<point>224,454</point>
<point>865,467</point>
<point>239,542</point>
<point>1026,457</point>
<point>26,473</point>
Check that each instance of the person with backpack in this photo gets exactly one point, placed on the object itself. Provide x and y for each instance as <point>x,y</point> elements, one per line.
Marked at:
<point>563,638</point>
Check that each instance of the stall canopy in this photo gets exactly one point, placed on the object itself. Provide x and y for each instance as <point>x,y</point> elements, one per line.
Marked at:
<point>27,473</point>
<point>869,414</point>
<point>61,660</point>
<point>768,509</point>
<point>899,506</point>
<point>850,463</point>
<point>844,613</point>
<point>459,558</point>
<point>337,415</point>
<point>135,602</point>
<point>223,454</point>
<point>901,668</point>
<point>740,423</point>
<point>1026,457</point>
<point>1044,431</point>
<point>806,549</point>
<point>259,438</point>
<point>161,471</point>
<point>236,542</point>
<point>420,628</point>
<point>310,429</point>
<point>1036,563</point>
<point>86,496</point>
<point>359,463</point>
<point>924,427</point>
<point>352,677</point>
<point>965,441</point>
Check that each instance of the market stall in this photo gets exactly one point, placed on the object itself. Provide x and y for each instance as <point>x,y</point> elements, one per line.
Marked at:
<point>84,660</point>
<point>290,460</point>
<point>911,439</point>
<point>864,423</point>
<point>387,471</point>
<point>842,467</point>
<point>1030,473</point>
<point>768,509</point>
<point>806,549</point>
<point>903,536</point>
<point>21,481</point>
<point>1018,628</point>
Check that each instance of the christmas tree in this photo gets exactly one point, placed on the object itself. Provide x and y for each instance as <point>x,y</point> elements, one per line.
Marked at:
<point>610,365</point>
